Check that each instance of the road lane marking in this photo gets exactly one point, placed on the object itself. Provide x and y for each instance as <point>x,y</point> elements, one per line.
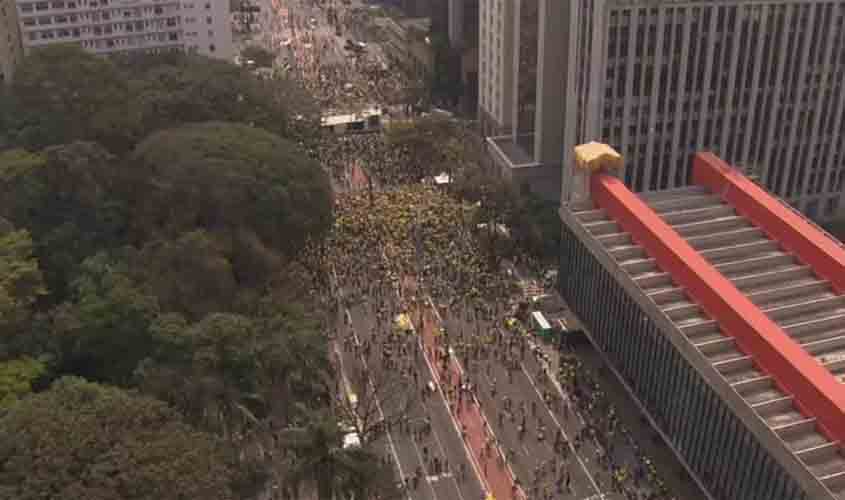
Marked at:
<point>486,427</point>
<point>378,407</point>
<point>562,430</point>
<point>443,450</point>
<point>475,466</point>
<point>381,414</point>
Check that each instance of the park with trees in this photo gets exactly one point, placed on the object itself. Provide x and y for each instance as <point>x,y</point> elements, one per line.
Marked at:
<point>162,334</point>
<point>157,340</point>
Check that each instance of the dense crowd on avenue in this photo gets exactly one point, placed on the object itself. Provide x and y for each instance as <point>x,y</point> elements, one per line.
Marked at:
<point>382,234</point>
<point>352,80</point>
<point>395,230</point>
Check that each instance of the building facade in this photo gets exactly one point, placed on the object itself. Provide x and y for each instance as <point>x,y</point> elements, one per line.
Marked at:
<point>120,26</point>
<point>11,50</point>
<point>757,82</point>
<point>732,345</point>
<point>495,56</point>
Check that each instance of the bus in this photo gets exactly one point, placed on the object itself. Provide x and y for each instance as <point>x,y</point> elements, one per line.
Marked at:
<point>541,327</point>
<point>368,120</point>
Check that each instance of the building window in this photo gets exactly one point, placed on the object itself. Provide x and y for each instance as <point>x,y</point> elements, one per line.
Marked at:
<point>211,48</point>
<point>208,20</point>
<point>831,206</point>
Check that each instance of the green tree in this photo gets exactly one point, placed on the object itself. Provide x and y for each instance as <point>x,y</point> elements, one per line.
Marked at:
<point>66,197</point>
<point>318,461</point>
<point>252,190</point>
<point>536,227</point>
<point>191,275</point>
<point>104,330</point>
<point>171,90</point>
<point>17,378</point>
<point>21,282</point>
<point>69,94</point>
<point>83,440</point>
<point>231,374</point>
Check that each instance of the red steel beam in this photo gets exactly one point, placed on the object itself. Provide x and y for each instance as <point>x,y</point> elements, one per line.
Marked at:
<point>816,391</point>
<point>783,225</point>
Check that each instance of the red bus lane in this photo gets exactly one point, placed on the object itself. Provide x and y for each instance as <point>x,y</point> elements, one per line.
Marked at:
<point>487,457</point>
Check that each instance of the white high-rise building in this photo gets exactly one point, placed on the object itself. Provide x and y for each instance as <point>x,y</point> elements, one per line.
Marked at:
<point>758,82</point>
<point>114,26</point>
<point>495,58</point>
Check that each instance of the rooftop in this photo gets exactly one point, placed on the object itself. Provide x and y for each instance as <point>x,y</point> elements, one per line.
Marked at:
<point>755,287</point>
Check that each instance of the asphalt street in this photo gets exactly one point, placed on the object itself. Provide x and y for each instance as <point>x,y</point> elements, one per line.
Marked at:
<point>534,453</point>
<point>511,433</point>
<point>411,444</point>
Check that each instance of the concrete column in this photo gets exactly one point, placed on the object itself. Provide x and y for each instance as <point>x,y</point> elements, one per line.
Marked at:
<point>456,23</point>
<point>552,63</point>
<point>515,66</point>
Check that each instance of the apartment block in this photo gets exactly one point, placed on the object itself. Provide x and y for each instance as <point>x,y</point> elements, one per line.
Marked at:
<point>10,41</point>
<point>758,82</point>
<point>117,26</point>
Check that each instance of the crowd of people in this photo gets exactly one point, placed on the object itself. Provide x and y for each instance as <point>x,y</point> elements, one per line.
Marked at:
<point>410,229</point>
<point>342,75</point>
<point>397,228</point>
<point>629,467</point>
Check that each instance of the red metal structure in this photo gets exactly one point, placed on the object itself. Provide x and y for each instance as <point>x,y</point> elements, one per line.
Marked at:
<point>816,391</point>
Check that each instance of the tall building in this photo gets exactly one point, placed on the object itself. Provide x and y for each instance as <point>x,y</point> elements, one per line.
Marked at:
<point>115,26</point>
<point>495,59</point>
<point>458,21</point>
<point>10,41</point>
<point>721,310</point>
<point>759,82</point>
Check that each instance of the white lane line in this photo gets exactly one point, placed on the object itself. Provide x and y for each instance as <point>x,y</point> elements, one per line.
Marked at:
<point>380,412</point>
<point>424,467</point>
<point>475,466</point>
<point>563,431</point>
<point>443,450</point>
<point>485,422</point>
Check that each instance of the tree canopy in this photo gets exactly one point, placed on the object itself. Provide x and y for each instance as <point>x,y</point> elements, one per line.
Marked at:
<point>83,440</point>
<point>153,211</point>
<point>63,94</point>
<point>20,281</point>
<point>69,95</point>
<point>17,378</point>
<point>258,188</point>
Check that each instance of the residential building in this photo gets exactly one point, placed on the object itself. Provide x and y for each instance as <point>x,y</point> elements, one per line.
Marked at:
<point>721,310</point>
<point>118,26</point>
<point>759,82</point>
<point>11,51</point>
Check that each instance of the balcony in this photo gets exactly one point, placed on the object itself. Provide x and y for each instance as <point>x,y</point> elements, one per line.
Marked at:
<point>506,152</point>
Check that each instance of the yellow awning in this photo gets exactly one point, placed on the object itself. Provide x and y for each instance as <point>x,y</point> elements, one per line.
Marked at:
<point>594,156</point>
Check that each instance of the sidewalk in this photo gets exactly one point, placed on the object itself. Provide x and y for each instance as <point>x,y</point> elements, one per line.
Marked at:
<point>649,441</point>
<point>628,411</point>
